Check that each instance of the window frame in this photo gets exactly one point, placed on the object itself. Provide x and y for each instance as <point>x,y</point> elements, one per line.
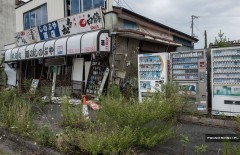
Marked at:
<point>29,16</point>
<point>81,6</point>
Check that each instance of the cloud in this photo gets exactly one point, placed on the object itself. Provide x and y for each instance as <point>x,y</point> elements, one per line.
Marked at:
<point>213,16</point>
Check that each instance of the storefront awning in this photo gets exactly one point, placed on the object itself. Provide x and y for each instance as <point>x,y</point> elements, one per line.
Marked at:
<point>8,55</point>
<point>14,54</point>
<point>95,41</point>
<point>21,53</point>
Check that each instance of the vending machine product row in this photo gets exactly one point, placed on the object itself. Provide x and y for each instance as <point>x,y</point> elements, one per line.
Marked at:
<point>225,81</point>
<point>189,71</point>
<point>152,72</point>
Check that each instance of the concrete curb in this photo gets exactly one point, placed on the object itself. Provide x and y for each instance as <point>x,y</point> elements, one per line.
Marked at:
<point>210,121</point>
<point>28,144</point>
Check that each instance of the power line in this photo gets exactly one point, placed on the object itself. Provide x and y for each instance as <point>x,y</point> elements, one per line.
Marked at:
<point>128,6</point>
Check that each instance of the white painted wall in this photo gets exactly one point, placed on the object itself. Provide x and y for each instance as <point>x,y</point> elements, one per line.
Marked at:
<point>55,10</point>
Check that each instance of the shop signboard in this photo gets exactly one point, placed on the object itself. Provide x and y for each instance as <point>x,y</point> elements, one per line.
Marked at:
<point>27,37</point>
<point>104,42</point>
<point>49,30</point>
<point>86,21</point>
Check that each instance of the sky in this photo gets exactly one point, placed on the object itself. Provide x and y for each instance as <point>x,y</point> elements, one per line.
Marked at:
<point>213,16</point>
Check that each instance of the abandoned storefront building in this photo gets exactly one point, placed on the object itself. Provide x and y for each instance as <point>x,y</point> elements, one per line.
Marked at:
<point>78,47</point>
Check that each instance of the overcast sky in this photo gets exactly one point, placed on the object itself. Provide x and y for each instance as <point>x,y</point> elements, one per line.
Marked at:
<point>213,16</point>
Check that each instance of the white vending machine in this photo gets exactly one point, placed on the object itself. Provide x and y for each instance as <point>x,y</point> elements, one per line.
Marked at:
<point>152,72</point>
<point>225,81</point>
<point>189,72</point>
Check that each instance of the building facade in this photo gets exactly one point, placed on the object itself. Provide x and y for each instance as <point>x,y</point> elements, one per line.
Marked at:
<point>7,22</point>
<point>79,46</point>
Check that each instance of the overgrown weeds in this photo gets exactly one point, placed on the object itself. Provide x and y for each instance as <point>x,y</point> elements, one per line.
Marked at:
<point>15,112</point>
<point>123,124</point>
<point>72,115</point>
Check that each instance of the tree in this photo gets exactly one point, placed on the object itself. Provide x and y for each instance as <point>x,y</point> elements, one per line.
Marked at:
<point>221,41</point>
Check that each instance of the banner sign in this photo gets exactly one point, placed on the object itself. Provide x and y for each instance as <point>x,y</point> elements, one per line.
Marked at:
<point>27,37</point>
<point>86,21</point>
<point>49,30</point>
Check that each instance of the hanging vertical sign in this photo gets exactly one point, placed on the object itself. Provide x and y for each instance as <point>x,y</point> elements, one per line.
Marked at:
<point>49,30</point>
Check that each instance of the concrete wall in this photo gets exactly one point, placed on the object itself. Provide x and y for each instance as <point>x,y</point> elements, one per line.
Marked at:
<point>7,22</point>
<point>55,10</point>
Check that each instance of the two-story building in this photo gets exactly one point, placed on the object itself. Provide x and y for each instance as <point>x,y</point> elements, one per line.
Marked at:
<point>78,46</point>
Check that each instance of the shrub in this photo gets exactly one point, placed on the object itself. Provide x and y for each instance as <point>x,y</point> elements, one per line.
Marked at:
<point>72,115</point>
<point>15,112</point>
<point>123,124</point>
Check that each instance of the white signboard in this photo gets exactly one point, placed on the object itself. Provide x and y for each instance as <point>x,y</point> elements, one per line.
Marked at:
<point>27,37</point>
<point>86,21</point>
<point>104,42</point>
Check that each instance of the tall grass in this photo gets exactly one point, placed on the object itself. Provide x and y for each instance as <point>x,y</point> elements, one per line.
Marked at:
<point>122,124</point>
<point>15,112</point>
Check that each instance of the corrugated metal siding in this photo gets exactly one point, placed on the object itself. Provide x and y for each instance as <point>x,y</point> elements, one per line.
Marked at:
<point>55,10</point>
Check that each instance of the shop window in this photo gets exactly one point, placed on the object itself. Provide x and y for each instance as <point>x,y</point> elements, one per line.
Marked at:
<point>78,6</point>
<point>35,17</point>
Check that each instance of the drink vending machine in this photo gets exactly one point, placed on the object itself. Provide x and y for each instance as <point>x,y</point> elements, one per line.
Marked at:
<point>189,71</point>
<point>152,72</point>
<point>225,81</point>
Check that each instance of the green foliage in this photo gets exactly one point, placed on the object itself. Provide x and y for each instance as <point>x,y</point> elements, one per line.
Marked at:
<point>44,136</point>
<point>122,124</point>
<point>200,149</point>
<point>221,41</point>
<point>230,149</point>
<point>114,91</point>
<point>184,140</point>
<point>72,115</point>
<point>15,112</point>
<point>27,85</point>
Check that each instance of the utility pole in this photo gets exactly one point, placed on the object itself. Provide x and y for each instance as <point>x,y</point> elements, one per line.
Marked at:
<point>193,17</point>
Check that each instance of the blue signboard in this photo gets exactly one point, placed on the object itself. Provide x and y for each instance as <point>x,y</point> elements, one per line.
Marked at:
<point>49,30</point>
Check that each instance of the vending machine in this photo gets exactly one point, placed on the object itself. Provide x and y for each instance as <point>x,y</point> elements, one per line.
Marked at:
<point>189,72</point>
<point>226,81</point>
<point>152,72</point>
